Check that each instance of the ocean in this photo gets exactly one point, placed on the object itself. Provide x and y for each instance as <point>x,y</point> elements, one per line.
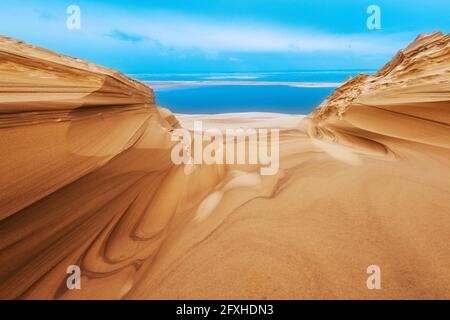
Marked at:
<point>244,92</point>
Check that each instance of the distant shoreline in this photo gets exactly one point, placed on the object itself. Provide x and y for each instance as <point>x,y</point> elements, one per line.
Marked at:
<point>172,84</point>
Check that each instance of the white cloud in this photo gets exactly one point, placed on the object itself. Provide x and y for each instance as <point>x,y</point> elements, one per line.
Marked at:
<point>175,32</point>
<point>183,32</point>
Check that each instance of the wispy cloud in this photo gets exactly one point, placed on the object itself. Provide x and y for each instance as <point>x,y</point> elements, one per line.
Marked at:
<point>128,37</point>
<point>184,32</point>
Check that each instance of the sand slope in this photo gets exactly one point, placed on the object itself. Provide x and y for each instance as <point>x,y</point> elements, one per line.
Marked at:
<point>87,179</point>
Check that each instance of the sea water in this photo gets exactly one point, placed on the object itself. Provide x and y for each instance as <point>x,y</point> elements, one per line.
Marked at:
<point>207,99</point>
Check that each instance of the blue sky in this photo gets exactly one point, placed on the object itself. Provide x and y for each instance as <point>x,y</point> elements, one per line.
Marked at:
<point>225,35</point>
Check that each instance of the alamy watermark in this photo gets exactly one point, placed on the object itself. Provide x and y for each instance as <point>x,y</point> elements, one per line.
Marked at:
<point>234,146</point>
<point>74,279</point>
<point>374,20</point>
<point>374,280</point>
<point>73,22</point>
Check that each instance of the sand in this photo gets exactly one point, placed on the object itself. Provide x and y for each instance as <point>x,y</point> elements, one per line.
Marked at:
<point>87,179</point>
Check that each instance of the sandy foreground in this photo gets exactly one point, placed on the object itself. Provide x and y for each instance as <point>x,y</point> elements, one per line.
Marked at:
<point>87,179</point>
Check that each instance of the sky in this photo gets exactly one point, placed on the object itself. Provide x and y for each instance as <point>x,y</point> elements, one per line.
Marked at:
<point>186,36</point>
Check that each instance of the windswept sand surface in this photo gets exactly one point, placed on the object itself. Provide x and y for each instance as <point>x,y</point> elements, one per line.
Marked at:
<point>86,179</point>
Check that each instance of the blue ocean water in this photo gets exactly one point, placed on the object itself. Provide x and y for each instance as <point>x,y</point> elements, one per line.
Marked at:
<point>238,98</point>
<point>245,98</point>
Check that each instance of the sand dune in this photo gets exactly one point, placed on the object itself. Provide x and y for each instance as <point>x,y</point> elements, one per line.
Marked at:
<point>87,179</point>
